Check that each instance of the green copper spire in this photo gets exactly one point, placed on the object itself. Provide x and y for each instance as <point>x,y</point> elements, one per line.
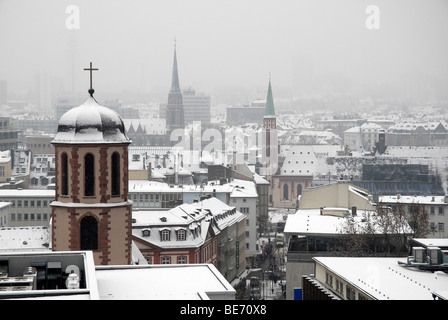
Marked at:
<point>270,110</point>
<point>175,77</point>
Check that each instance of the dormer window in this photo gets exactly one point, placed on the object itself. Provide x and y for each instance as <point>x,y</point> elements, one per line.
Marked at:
<point>181,235</point>
<point>146,232</point>
<point>165,235</point>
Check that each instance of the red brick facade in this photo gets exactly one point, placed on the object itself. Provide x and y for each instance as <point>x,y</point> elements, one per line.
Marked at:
<point>114,219</point>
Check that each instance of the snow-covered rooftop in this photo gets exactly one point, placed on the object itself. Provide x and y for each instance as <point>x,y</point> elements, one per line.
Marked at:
<point>91,123</point>
<point>32,193</point>
<point>162,282</point>
<point>332,221</point>
<point>427,200</point>
<point>195,219</point>
<point>14,239</point>
<point>385,279</point>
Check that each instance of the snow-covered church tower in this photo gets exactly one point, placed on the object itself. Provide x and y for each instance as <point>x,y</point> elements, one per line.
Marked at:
<point>91,210</point>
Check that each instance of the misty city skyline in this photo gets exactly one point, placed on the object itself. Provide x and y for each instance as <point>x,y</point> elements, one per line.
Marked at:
<point>221,43</point>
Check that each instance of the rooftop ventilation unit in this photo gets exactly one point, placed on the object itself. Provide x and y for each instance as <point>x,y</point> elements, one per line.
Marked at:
<point>428,259</point>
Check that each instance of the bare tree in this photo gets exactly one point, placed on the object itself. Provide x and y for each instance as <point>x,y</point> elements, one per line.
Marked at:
<point>374,233</point>
<point>418,218</point>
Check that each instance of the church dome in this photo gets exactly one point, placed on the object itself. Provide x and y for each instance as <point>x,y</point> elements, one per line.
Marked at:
<point>91,123</point>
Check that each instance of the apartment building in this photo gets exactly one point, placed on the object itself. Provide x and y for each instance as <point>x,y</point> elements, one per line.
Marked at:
<point>29,207</point>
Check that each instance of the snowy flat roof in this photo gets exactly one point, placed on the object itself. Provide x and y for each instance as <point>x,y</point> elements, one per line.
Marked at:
<point>124,282</point>
<point>163,282</point>
<point>429,200</point>
<point>432,242</point>
<point>385,279</point>
<point>16,239</point>
<point>311,222</point>
<point>27,193</point>
<point>156,186</point>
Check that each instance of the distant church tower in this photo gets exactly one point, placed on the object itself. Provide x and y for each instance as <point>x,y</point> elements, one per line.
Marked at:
<point>174,108</point>
<point>269,156</point>
<point>270,122</point>
<point>91,210</point>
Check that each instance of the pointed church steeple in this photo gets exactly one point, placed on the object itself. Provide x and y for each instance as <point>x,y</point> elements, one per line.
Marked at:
<point>174,108</point>
<point>175,88</point>
<point>270,110</point>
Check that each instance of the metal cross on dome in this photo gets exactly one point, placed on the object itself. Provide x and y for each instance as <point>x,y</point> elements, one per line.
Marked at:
<point>91,91</point>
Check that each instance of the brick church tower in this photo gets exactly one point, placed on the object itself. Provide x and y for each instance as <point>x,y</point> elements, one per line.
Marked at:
<point>91,210</point>
<point>269,156</point>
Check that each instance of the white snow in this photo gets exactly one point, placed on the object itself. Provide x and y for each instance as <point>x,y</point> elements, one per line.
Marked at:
<point>384,278</point>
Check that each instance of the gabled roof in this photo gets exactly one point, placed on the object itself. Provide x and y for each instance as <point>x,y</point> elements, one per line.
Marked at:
<point>299,161</point>
<point>200,221</point>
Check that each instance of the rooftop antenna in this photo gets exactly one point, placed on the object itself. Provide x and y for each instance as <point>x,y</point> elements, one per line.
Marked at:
<point>91,91</point>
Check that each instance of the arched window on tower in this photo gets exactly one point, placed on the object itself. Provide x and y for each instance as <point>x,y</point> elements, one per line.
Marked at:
<point>89,233</point>
<point>285,192</point>
<point>115,174</point>
<point>64,174</point>
<point>89,175</point>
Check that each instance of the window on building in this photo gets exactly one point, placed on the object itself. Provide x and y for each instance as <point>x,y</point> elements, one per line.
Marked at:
<point>299,189</point>
<point>361,297</point>
<point>89,175</point>
<point>350,293</point>
<point>285,192</point>
<point>115,174</point>
<point>329,279</point>
<point>339,286</point>
<point>64,174</point>
<point>89,233</point>
<point>165,235</point>
<point>441,211</point>
<point>165,260</point>
<point>181,235</point>
<point>181,260</point>
<point>2,171</point>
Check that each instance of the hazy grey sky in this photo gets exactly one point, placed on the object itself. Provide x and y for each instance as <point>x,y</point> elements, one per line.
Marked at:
<point>221,41</point>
